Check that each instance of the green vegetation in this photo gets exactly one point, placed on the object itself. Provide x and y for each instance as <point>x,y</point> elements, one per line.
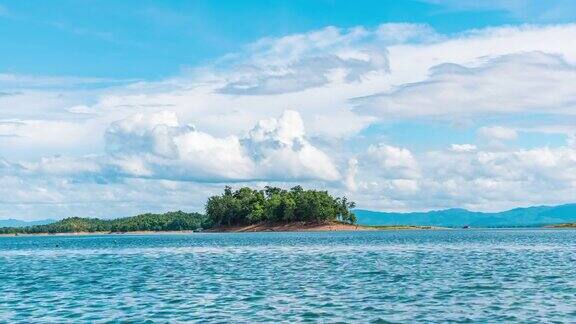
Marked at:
<point>173,221</point>
<point>274,205</point>
<point>244,206</point>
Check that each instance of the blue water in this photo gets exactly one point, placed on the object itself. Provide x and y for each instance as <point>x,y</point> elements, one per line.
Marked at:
<point>397,276</point>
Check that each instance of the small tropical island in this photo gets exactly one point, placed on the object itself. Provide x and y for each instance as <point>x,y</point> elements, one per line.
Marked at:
<point>241,210</point>
<point>248,208</point>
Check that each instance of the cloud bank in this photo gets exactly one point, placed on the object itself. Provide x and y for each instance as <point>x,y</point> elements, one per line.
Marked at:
<point>398,117</point>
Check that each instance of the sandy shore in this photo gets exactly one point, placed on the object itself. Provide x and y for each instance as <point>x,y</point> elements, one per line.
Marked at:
<point>101,233</point>
<point>292,227</point>
<point>310,227</point>
<point>229,229</point>
<point>287,227</point>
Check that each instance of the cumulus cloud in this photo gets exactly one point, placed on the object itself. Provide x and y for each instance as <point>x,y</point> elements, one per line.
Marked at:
<point>479,179</point>
<point>509,175</point>
<point>387,172</point>
<point>393,162</point>
<point>157,146</point>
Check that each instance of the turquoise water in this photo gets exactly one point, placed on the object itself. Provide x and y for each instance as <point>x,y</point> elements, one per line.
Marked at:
<point>397,276</point>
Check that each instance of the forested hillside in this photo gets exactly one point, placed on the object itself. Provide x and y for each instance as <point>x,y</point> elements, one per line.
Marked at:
<point>172,221</point>
<point>244,206</point>
<point>535,216</point>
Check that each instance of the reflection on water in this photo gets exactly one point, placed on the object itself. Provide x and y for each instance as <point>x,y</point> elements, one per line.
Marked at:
<point>460,275</point>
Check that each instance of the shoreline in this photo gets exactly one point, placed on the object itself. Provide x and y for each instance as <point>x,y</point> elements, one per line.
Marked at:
<point>285,227</point>
<point>100,233</point>
<point>311,227</point>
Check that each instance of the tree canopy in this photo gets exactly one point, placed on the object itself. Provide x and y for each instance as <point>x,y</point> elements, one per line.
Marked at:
<point>248,206</point>
<point>244,206</point>
<point>172,221</point>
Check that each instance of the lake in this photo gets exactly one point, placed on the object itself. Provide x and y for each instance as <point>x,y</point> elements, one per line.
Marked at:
<point>398,276</point>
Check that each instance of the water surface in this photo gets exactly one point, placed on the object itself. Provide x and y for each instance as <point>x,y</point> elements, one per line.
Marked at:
<point>388,276</point>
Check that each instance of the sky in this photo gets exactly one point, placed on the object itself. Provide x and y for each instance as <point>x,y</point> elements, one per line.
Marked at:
<point>113,108</point>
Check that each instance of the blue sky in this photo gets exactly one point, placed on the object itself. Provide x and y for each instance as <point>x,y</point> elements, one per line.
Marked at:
<point>111,108</point>
<point>155,39</point>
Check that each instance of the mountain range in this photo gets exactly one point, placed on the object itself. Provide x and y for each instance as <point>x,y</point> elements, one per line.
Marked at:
<point>517,217</point>
<point>455,217</point>
<point>19,223</point>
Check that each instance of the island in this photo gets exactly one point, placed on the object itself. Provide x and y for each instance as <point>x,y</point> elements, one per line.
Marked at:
<point>241,210</point>
<point>273,205</point>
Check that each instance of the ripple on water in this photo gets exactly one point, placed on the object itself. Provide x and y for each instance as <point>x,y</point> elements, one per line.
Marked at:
<point>422,276</point>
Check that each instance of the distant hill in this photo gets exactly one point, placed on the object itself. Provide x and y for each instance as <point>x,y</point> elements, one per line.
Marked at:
<point>173,221</point>
<point>517,217</point>
<point>19,223</point>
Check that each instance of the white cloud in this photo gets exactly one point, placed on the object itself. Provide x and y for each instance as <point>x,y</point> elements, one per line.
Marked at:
<point>303,74</point>
<point>393,162</point>
<point>57,197</point>
<point>350,177</point>
<point>496,137</point>
<point>157,146</point>
<point>24,139</point>
<point>498,133</point>
<point>462,148</point>
<point>302,61</point>
<point>63,166</point>
<point>529,82</point>
<point>479,179</point>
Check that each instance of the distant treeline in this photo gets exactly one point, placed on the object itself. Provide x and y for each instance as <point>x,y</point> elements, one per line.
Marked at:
<point>172,221</point>
<point>248,206</point>
<point>240,207</point>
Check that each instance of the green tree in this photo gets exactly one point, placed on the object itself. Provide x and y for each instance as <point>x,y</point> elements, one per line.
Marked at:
<point>273,204</point>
